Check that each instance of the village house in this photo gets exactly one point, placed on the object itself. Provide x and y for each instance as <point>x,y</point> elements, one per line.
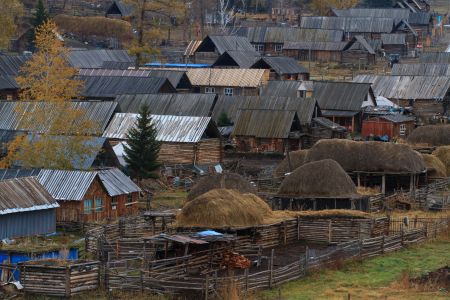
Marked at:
<point>9,69</point>
<point>119,10</point>
<point>343,102</point>
<point>426,95</point>
<point>229,82</point>
<point>360,51</point>
<point>315,51</point>
<point>394,126</point>
<point>9,89</point>
<point>281,68</point>
<point>236,59</point>
<point>395,44</point>
<point>281,88</point>
<point>26,209</point>
<point>85,196</point>
<point>184,140</point>
<point>423,23</point>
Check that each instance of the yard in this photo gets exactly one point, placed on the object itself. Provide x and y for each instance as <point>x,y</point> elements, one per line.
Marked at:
<point>385,277</point>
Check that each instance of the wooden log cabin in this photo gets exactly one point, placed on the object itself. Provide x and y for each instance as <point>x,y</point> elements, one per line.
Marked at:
<point>184,140</point>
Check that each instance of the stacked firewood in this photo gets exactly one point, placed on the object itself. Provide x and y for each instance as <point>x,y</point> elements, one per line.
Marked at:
<point>235,260</point>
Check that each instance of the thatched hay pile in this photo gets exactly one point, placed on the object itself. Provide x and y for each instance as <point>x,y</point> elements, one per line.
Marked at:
<point>443,153</point>
<point>297,159</point>
<point>332,213</point>
<point>368,156</point>
<point>220,208</point>
<point>430,135</point>
<point>435,167</point>
<point>221,181</point>
<point>319,179</point>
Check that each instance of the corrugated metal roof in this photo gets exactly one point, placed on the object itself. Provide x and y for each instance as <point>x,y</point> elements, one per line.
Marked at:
<point>393,39</point>
<point>281,35</point>
<point>346,96</point>
<point>88,59</point>
<point>178,129</point>
<point>421,69</point>
<point>281,65</point>
<point>224,43</point>
<point>435,57</point>
<point>281,88</point>
<point>6,174</point>
<point>324,46</point>
<point>116,182</point>
<point>11,64</point>
<point>24,194</point>
<point>263,123</point>
<point>242,59</point>
<point>197,105</point>
<point>8,83</point>
<point>12,118</point>
<point>350,24</point>
<point>111,86</point>
<point>227,77</point>
<point>408,87</point>
<point>191,47</point>
<point>394,13</point>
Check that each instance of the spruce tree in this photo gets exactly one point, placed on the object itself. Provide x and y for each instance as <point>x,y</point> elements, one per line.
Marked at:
<point>223,120</point>
<point>142,151</point>
<point>40,16</point>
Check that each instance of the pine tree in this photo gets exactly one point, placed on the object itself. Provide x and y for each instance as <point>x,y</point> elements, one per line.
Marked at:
<point>39,17</point>
<point>223,120</point>
<point>142,150</point>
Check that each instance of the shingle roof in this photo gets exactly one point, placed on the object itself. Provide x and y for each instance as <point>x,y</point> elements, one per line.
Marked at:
<point>264,123</point>
<point>111,86</point>
<point>281,65</point>
<point>345,96</point>
<point>408,87</point>
<point>421,69</point>
<point>226,77</point>
<point>198,105</point>
<point>179,129</point>
<point>24,194</point>
<point>10,65</point>
<point>288,34</point>
<point>350,24</point>
<point>87,59</point>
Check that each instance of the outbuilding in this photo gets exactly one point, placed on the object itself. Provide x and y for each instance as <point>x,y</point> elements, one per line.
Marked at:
<point>391,125</point>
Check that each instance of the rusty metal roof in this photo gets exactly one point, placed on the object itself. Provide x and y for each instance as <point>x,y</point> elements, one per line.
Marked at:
<point>227,77</point>
<point>179,129</point>
<point>24,194</point>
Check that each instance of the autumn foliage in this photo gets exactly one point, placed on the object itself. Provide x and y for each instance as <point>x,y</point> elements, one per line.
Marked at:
<point>10,11</point>
<point>323,6</point>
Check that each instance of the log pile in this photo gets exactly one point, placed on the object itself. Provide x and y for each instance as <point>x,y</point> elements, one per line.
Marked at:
<point>235,260</point>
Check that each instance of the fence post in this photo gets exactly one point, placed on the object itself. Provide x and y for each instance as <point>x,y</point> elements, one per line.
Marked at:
<point>298,228</point>
<point>329,231</point>
<point>306,259</point>
<point>435,229</point>
<point>246,281</point>
<point>206,286</point>
<point>382,245</point>
<point>401,234</point>
<point>142,281</point>
<point>271,268</point>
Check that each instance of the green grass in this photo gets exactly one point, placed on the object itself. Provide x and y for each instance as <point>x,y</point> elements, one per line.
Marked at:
<point>169,199</point>
<point>371,279</point>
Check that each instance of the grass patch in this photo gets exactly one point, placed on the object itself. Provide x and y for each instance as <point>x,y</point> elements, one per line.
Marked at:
<point>168,199</point>
<point>374,278</point>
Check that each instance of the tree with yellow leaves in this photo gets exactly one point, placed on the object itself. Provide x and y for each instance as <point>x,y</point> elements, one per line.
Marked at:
<point>58,130</point>
<point>323,6</point>
<point>148,30</point>
<point>10,12</point>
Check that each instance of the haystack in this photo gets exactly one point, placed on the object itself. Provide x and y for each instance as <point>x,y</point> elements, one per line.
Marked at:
<point>443,153</point>
<point>220,208</point>
<point>319,179</point>
<point>430,135</point>
<point>435,167</point>
<point>368,156</point>
<point>221,181</point>
<point>297,159</point>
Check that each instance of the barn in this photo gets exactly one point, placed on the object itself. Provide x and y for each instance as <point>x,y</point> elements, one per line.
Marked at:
<point>393,126</point>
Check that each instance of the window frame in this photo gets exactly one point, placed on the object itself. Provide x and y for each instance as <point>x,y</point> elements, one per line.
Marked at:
<point>229,89</point>
<point>210,90</point>
<point>97,200</point>
<point>278,47</point>
<point>402,129</point>
<point>90,206</point>
<point>129,200</point>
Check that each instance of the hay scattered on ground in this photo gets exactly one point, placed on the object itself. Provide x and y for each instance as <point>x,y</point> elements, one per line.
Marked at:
<point>368,156</point>
<point>443,153</point>
<point>319,179</point>
<point>219,208</point>
<point>331,213</point>
<point>432,135</point>
<point>368,191</point>
<point>221,181</point>
<point>435,167</point>
<point>297,159</point>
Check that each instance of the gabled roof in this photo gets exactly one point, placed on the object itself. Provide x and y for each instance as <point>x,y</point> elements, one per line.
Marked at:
<point>350,24</point>
<point>421,69</point>
<point>280,64</point>
<point>124,9</point>
<point>87,59</point>
<point>344,96</point>
<point>24,194</point>
<point>178,129</point>
<point>11,64</point>
<point>393,39</point>
<point>12,118</point>
<point>241,59</point>
<point>264,123</point>
<point>227,77</point>
<point>223,43</point>
<point>282,35</point>
<point>111,86</point>
<point>408,87</point>
<point>198,105</point>
<point>359,42</point>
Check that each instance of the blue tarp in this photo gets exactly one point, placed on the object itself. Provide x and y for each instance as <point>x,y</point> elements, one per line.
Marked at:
<point>209,233</point>
<point>174,65</point>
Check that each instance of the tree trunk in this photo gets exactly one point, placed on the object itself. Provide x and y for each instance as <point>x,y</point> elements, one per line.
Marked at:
<point>140,34</point>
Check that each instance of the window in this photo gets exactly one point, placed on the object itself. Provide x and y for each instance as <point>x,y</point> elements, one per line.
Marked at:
<point>228,91</point>
<point>129,199</point>
<point>9,97</point>
<point>278,47</point>
<point>98,204</point>
<point>259,48</point>
<point>87,206</point>
<point>210,90</point>
<point>114,203</point>
<point>402,129</point>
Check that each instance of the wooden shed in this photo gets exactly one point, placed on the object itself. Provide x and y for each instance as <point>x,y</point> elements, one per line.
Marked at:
<point>213,46</point>
<point>358,52</point>
<point>394,44</point>
<point>315,51</point>
<point>391,125</point>
<point>184,140</point>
